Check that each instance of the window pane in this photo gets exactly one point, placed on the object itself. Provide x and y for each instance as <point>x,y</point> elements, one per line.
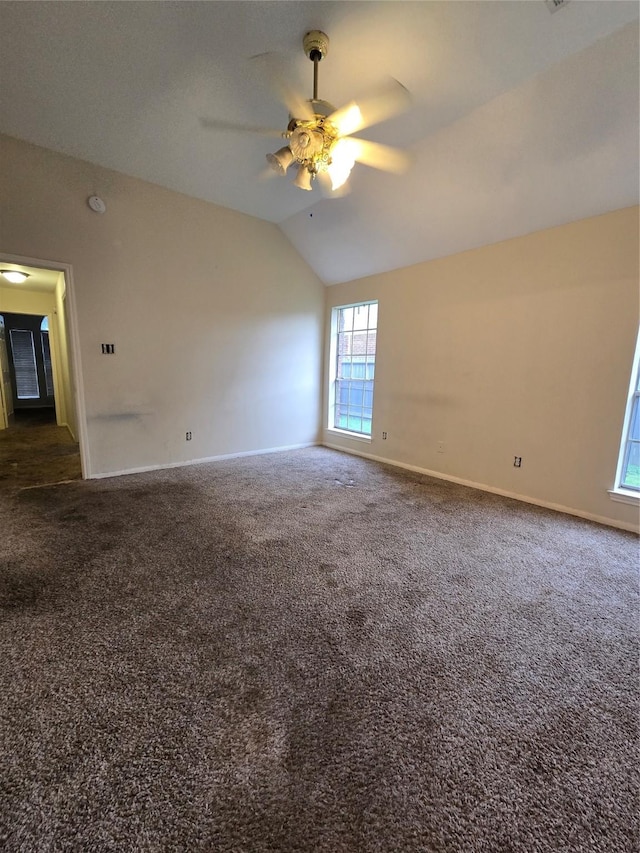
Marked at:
<point>346,320</point>
<point>345,344</point>
<point>344,368</point>
<point>631,473</point>
<point>356,395</point>
<point>373,315</point>
<point>634,429</point>
<point>360,317</point>
<point>24,362</point>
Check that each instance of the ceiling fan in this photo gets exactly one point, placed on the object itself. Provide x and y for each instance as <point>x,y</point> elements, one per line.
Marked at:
<point>319,140</point>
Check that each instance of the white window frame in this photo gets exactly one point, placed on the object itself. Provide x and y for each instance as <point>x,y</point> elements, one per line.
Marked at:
<point>619,492</point>
<point>333,367</point>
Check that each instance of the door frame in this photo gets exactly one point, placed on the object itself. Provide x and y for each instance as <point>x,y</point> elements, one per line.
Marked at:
<point>73,347</point>
<point>5,414</point>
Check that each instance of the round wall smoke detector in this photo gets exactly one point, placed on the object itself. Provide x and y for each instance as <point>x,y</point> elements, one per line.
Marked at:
<point>96,204</point>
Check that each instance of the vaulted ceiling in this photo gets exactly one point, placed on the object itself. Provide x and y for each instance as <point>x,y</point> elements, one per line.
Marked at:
<point>520,119</point>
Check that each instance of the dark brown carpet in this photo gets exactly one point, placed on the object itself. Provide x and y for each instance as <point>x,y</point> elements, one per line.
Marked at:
<point>34,451</point>
<point>312,652</point>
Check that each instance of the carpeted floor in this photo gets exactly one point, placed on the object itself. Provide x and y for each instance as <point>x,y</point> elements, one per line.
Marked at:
<point>312,652</point>
<point>35,452</point>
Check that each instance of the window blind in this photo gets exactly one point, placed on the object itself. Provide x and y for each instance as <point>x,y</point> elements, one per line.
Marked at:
<point>24,362</point>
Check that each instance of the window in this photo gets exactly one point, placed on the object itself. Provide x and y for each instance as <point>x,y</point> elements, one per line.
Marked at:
<point>24,363</point>
<point>353,364</point>
<point>629,462</point>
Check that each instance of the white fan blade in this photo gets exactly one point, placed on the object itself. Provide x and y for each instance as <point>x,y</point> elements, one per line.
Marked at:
<point>267,174</point>
<point>388,101</point>
<point>295,102</point>
<point>217,124</point>
<point>378,156</point>
<point>299,107</point>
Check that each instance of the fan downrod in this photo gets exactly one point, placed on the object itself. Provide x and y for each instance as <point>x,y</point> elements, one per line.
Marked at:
<point>316,46</point>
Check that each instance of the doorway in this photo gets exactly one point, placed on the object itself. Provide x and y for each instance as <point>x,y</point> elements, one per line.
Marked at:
<point>29,355</point>
<point>39,369</point>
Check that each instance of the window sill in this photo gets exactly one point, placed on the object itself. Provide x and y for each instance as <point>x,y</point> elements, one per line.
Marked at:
<point>625,496</point>
<point>345,434</point>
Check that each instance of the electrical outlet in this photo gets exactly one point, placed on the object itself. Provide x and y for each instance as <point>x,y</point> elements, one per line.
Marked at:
<point>188,436</point>
<point>441,447</point>
<point>108,349</point>
<point>517,461</point>
<point>384,436</point>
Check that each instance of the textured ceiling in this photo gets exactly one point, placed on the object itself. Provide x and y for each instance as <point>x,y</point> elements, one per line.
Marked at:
<point>521,119</point>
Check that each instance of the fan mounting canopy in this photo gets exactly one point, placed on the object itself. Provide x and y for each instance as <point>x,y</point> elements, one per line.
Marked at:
<point>316,44</point>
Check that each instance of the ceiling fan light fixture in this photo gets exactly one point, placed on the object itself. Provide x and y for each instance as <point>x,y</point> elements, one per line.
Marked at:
<point>319,137</point>
<point>14,276</point>
<point>281,160</point>
<point>342,162</point>
<point>303,178</point>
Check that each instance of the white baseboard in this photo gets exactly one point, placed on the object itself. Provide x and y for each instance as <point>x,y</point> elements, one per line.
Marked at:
<point>600,519</point>
<point>145,468</point>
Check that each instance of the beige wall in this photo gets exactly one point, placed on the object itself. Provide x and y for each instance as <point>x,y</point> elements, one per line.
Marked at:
<point>15,301</point>
<point>216,320</point>
<point>521,348</point>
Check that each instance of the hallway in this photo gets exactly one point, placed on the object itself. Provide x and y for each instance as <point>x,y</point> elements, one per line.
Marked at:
<point>34,451</point>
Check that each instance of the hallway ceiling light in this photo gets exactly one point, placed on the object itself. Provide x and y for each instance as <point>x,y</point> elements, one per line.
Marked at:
<point>15,276</point>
